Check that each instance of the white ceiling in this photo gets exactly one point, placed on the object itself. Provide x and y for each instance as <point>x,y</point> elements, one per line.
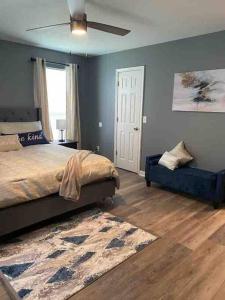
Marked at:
<point>150,22</point>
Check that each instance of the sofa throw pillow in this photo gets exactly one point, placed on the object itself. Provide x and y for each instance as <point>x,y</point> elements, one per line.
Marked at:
<point>19,127</point>
<point>10,143</point>
<point>169,161</point>
<point>32,138</point>
<point>181,152</point>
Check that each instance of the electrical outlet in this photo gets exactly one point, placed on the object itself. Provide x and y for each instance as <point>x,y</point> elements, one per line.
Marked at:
<point>100,124</point>
<point>97,149</point>
<point>144,119</point>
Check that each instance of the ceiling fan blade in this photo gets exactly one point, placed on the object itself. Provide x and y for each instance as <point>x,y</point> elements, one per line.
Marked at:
<point>76,7</point>
<point>48,26</point>
<point>108,28</point>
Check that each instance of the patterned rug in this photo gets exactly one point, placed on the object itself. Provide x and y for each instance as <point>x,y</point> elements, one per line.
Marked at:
<point>57,261</point>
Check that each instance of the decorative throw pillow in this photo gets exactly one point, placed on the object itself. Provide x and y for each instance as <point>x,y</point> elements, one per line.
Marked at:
<point>181,153</point>
<point>9,143</point>
<point>19,127</point>
<point>169,161</point>
<point>32,138</point>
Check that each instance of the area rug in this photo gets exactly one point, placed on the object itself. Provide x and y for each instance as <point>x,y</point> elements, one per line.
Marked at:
<point>57,261</point>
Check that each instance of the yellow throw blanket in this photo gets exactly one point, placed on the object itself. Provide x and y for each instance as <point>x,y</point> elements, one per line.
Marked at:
<point>77,173</point>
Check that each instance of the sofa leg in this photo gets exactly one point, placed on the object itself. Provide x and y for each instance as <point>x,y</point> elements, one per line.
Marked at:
<point>148,183</point>
<point>215,204</point>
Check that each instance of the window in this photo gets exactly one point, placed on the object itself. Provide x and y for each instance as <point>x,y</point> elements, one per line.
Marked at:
<point>56,84</point>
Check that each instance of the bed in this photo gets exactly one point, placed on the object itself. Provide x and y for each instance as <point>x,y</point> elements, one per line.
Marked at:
<point>18,215</point>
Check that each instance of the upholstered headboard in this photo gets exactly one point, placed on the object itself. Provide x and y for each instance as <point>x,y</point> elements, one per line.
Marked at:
<point>19,114</point>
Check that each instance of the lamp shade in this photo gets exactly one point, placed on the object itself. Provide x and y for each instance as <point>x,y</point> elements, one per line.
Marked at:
<point>61,124</point>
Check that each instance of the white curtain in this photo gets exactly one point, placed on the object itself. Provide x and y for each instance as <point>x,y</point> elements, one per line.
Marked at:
<point>41,95</point>
<point>72,105</point>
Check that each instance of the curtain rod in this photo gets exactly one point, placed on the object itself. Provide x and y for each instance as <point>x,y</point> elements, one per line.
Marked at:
<point>53,62</point>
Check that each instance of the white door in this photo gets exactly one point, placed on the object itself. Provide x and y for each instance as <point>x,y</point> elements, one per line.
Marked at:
<point>129,118</point>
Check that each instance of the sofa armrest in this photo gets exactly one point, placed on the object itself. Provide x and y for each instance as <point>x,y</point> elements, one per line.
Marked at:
<point>222,172</point>
<point>153,160</point>
<point>150,161</point>
<point>220,186</point>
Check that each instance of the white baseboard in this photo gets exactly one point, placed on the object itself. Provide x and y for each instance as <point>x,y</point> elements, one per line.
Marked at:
<point>142,173</point>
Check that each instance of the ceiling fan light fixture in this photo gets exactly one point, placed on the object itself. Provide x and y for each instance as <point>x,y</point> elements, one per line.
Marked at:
<point>78,26</point>
<point>78,21</point>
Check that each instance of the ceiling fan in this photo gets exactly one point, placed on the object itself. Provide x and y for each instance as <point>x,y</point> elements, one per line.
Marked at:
<point>79,23</point>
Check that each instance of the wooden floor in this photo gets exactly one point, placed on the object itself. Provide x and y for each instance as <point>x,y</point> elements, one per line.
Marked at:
<point>186,262</point>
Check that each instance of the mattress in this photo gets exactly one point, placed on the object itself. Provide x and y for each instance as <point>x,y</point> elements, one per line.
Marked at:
<point>34,172</point>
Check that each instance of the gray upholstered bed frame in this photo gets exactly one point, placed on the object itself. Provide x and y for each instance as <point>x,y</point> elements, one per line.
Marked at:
<point>23,215</point>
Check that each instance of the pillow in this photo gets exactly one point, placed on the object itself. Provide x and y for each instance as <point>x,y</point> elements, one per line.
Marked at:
<point>19,127</point>
<point>169,161</point>
<point>180,152</point>
<point>32,138</point>
<point>10,143</point>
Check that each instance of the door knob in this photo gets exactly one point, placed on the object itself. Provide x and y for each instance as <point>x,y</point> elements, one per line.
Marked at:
<point>136,128</point>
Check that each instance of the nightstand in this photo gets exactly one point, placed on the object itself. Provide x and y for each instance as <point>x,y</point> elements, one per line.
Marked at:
<point>67,143</point>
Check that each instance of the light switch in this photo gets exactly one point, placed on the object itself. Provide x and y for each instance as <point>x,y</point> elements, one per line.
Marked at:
<point>100,124</point>
<point>144,119</point>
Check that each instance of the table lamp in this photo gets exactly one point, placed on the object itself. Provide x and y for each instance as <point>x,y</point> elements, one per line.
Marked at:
<point>61,126</point>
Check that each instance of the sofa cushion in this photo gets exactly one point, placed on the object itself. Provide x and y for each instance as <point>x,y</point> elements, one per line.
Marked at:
<point>194,181</point>
<point>190,171</point>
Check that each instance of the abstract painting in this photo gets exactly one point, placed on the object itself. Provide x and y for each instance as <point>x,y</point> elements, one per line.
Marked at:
<point>202,91</point>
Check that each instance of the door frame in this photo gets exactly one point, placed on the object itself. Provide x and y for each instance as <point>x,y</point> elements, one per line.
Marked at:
<point>118,71</point>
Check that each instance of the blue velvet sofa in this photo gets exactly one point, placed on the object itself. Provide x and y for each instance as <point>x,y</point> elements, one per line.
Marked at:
<point>196,182</point>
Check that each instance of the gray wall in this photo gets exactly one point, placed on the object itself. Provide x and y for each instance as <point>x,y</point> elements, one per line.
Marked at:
<point>203,133</point>
<point>16,75</point>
